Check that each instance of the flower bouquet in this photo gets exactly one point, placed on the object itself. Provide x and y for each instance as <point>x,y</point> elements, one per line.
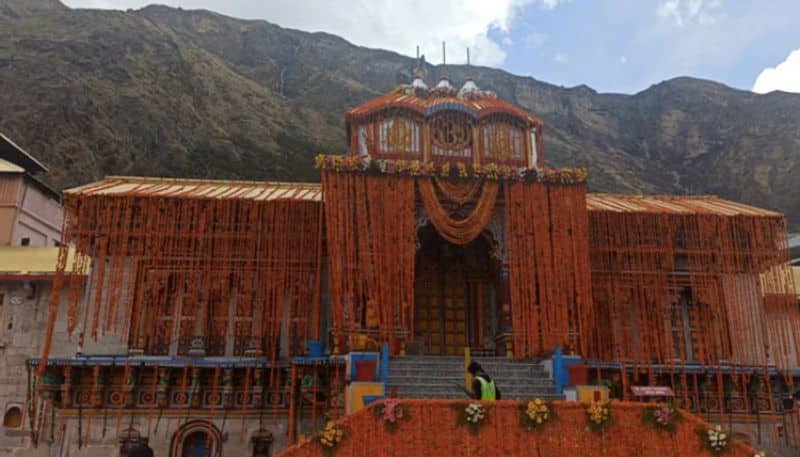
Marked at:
<point>472,415</point>
<point>714,439</point>
<point>662,416</point>
<point>536,413</point>
<point>331,436</point>
<point>599,415</point>
<point>392,412</point>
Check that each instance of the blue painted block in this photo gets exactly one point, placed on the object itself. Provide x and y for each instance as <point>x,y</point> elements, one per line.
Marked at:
<point>560,371</point>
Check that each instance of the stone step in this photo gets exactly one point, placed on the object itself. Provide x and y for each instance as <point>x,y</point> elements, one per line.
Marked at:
<point>401,371</point>
<point>440,376</point>
<point>502,382</point>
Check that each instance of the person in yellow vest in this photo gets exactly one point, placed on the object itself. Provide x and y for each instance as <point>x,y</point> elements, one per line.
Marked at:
<point>483,386</point>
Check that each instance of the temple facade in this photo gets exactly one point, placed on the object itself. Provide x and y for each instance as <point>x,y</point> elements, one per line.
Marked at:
<point>214,318</point>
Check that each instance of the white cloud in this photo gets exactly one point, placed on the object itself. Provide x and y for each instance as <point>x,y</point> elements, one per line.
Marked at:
<point>561,58</point>
<point>703,12</point>
<point>388,24</point>
<point>785,76</point>
<point>623,60</point>
<point>536,40</point>
<point>550,4</point>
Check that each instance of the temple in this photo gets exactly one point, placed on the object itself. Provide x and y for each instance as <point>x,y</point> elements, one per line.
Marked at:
<point>200,315</point>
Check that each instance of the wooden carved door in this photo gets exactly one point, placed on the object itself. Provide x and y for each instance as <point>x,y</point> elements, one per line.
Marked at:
<point>440,315</point>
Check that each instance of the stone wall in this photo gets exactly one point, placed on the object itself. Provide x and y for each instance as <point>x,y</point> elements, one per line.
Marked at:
<point>23,318</point>
<point>235,440</point>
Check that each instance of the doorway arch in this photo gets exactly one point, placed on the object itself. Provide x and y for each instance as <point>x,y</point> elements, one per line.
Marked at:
<point>456,294</point>
<point>196,439</point>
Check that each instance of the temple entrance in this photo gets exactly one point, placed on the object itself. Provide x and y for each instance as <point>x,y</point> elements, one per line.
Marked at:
<point>455,298</point>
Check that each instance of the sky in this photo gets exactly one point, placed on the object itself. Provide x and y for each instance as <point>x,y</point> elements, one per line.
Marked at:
<point>610,45</point>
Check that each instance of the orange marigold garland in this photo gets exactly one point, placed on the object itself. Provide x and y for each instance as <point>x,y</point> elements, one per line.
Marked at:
<point>414,168</point>
<point>259,242</point>
<point>370,220</point>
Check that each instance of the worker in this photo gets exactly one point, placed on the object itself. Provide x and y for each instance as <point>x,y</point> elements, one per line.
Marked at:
<point>483,386</point>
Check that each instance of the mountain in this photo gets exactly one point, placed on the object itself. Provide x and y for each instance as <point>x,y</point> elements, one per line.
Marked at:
<point>169,92</point>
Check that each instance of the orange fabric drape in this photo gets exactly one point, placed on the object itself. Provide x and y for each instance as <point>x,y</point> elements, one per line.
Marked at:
<point>458,231</point>
<point>432,430</point>
<point>549,279</point>
<point>158,260</point>
<point>371,238</point>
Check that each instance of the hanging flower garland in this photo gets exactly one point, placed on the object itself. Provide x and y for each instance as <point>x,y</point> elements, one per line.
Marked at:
<point>392,412</point>
<point>598,414</point>
<point>331,436</point>
<point>536,413</point>
<point>492,171</point>
<point>472,415</point>
<point>662,416</point>
<point>714,439</point>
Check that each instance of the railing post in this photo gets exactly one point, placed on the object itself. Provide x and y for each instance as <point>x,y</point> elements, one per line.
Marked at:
<point>467,375</point>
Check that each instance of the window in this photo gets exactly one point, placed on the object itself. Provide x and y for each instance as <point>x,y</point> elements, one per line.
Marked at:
<point>13,417</point>
<point>399,136</point>
<point>25,242</point>
<point>503,142</point>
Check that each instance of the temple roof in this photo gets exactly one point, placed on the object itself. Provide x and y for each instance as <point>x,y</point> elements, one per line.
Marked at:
<point>264,190</point>
<point>669,204</point>
<point>477,105</point>
<point>199,188</point>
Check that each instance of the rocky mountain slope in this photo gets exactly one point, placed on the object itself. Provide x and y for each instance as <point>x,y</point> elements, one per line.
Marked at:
<point>170,92</point>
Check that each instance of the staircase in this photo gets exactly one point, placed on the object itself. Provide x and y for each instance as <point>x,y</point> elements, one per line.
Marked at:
<point>438,377</point>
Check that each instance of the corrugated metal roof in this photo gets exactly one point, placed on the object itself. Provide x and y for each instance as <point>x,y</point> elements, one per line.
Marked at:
<point>258,190</point>
<point>796,273</point>
<point>8,167</point>
<point>668,204</point>
<point>15,154</point>
<point>200,188</point>
<point>24,260</point>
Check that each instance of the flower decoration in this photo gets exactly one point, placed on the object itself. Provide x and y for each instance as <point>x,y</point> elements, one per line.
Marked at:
<point>472,415</point>
<point>536,413</point>
<point>714,439</point>
<point>392,412</point>
<point>331,436</point>
<point>662,416</point>
<point>491,171</point>
<point>599,415</point>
